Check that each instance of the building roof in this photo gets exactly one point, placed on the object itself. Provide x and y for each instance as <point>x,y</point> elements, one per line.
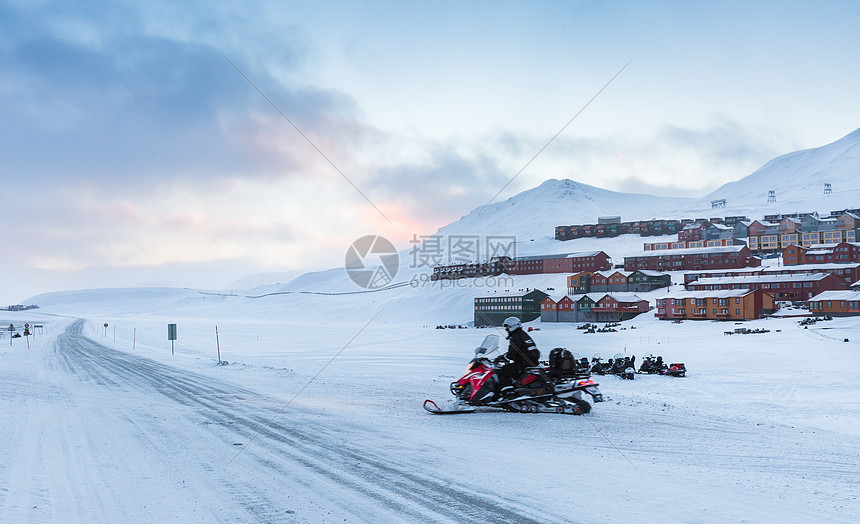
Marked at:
<point>555,298</point>
<point>584,254</point>
<point>609,273</point>
<point>690,251</point>
<point>509,294</point>
<point>594,297</point>
<point>855,285</point>
<point>721,226</point>
<point>759,279</point>
<point>652,273</point>
<point>620,297</point>
<point>717,293</point>
<point>560,255</point>
<point>836,295</point>
<point>625,297</point>
<point>811,268</point>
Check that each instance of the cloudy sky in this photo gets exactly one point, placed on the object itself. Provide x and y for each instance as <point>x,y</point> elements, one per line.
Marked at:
<point>133,152</point>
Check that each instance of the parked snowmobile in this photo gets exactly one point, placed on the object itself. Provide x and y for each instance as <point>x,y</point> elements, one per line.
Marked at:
<point>600,368</point>
<point>652,366</point>
<point>623,367</point>
<point>677,369</point>
<point>538,390</point>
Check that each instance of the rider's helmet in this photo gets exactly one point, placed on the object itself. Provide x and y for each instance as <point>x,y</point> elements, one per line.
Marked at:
<point>511,324</point>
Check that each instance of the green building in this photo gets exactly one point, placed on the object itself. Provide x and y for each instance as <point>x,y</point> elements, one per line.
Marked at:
<point>493,309</point>
<point>648,280</point>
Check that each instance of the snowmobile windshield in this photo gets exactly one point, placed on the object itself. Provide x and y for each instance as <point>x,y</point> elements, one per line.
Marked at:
<point>489,348</point>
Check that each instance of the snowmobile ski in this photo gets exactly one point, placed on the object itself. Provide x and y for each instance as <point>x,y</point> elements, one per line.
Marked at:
<point>450,408</point>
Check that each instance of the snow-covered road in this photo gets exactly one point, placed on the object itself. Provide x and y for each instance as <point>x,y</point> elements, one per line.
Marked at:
<point>109,436</point>
<point>96,430</point>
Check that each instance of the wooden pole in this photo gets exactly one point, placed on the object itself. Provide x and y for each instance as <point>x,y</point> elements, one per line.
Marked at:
<point>217,344</point>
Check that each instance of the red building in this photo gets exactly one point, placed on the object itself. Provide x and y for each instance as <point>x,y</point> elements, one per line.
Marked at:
<point>850,273</point>
<point>821,253</point>
<point>762,227</point>
<point>693,232</point>
<point>728,257</point>
<point>564,263</point>
<point>592,307</point>
<point>799,287</point>
<point>619,306</point>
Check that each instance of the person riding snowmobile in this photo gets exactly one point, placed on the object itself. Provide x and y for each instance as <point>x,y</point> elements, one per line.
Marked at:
<point>522,353</point>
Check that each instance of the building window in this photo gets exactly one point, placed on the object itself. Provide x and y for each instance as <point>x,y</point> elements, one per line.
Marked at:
<point>737,311</point>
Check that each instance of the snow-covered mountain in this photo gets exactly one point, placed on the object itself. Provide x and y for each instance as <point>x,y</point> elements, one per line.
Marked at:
<point>534,213</point>
<point>798,180</point>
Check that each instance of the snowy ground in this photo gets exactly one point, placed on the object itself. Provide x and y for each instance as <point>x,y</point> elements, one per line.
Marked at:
<point>317,417</point>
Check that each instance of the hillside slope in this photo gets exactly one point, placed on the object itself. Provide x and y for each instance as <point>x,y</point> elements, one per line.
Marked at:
<point>797,179</point>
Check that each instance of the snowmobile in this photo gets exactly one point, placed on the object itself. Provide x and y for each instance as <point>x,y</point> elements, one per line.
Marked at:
<point>652,366</point>
<point>600,368</point>
<point>536,391</point>
<point>677,369</point>
<point>624,367</point>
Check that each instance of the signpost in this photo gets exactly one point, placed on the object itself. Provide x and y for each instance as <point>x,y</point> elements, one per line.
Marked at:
<point>105,329</point>
<point>217,344</point>
<point>171,335</point>
<point>11,330</point>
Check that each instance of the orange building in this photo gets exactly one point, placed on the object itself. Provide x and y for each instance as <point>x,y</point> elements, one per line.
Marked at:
<point>734,304</point>
<point>836,303</point>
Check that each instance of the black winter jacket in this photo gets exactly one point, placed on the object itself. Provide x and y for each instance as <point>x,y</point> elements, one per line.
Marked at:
<point>522,349</point>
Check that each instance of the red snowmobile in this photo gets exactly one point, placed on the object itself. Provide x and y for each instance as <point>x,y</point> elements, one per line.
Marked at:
<point>538,390</point>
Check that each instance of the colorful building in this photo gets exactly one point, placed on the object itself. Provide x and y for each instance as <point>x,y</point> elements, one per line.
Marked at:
<point>848,272</point>
<point>563,263</point>
<point>728,257</point>
<point>735,304</point>
<point>843,252</point>
<point>836,303</point>
<point>592,307</point>
<point>796,287</point>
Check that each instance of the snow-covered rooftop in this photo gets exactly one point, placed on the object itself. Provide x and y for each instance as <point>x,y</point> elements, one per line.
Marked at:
<point>625,297</point>
<point>716,293</point>
<point>690,251</point>
<point>759,279</point>
<point>812,268</point>
<point>836,295</point>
